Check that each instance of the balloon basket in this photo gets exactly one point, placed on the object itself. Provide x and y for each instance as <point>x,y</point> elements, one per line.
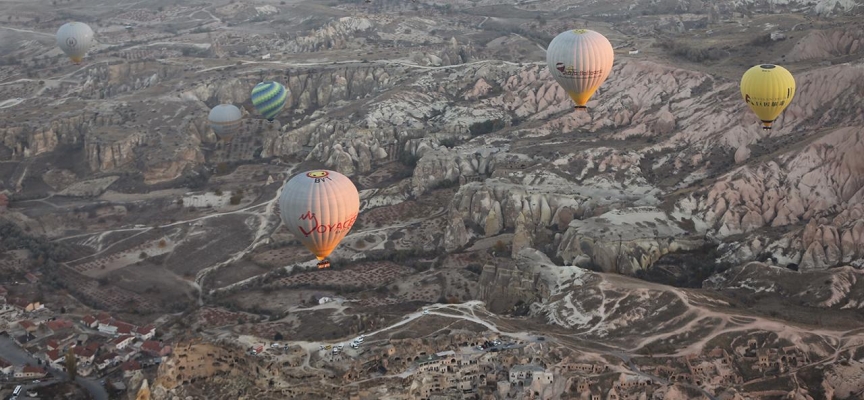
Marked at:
<point>324,265</point>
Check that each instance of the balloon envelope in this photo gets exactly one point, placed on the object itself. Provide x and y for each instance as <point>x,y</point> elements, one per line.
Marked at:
<point>580,60</point>
<point>225,120</point>
<point>319,208</point>
<point>75,38</point>
<point>269,98</point>
<point>767,89</point>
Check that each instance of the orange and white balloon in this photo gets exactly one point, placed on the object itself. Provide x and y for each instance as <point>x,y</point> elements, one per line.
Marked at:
<point>580,60</point>
<point>319,208</point>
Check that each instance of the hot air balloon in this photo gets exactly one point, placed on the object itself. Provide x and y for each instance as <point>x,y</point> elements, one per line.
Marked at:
<point>269,98</point>
<point>580,60</point>
<point>319,207</point>
<point>75,38</point>
<point>767,89</point>
<point>225,119</point>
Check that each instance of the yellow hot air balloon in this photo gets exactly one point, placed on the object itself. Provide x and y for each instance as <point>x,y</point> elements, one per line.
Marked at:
<point>767,89</point>
<point>580,60</point>
<point>319,208</point>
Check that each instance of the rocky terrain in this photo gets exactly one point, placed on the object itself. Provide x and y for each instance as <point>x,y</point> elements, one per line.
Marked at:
<point>478,181</point>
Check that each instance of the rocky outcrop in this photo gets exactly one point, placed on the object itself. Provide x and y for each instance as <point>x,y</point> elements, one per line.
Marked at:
<point>825,45</point>
<point>346,32</point>
<point>341,146</point>
<point>624,241</point>
<point>103,156</point>
<point>438,165</point>
<point>496,207</point>
<point>201,361</point>
<point>797,187</point>
<point>308,90</point>
<point>29,139</point>
<point>724,8</point>
<point>841,288</point>
<point>844,378</point>
<point>502,286</point>
<point>105,81</point>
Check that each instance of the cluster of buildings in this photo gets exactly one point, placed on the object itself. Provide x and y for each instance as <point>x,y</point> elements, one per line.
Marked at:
<point>522,371</point>
<point>100,343</point>
<point>114,343</point>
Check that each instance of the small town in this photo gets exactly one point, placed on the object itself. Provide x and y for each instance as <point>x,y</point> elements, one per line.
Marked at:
<point>484,365</point>
<point>37,341</point>
<point>102,347</point>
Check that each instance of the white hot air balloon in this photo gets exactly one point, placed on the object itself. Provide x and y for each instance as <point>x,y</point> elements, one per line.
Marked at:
<point>319,208</point>
<point>225,119</point>
<point>75,39</point>
<point>580,60</point>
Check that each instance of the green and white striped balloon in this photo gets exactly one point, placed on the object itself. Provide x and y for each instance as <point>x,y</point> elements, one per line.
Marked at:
<point>269,99</point>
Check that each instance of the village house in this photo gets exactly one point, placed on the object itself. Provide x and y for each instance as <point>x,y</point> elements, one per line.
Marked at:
<point>30,372</point>
<point>84,369</point>
<point>155,348</point>
<point>90,321</point>
<point>107,328</point>
<point>129,368</point>
<point>588,368</point>
<point>8,312</point>
<point>106,360</point>
<point>525,375</point>
<point>28,325</point>
<point>59,325</point>
<point>120,342</point>
<point>6,367</point>
<point>123,328</point>
<point>626,381</point>
<point>26,305</point>
<point>84,355</point>
<point>145,332</point>
<point>108,325</point>
<point>54,357</point>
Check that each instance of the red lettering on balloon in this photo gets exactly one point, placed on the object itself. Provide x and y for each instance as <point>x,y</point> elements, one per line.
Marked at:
<point>336,228</point>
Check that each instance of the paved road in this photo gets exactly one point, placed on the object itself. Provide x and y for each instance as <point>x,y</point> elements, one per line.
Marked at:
<point>10,351</point>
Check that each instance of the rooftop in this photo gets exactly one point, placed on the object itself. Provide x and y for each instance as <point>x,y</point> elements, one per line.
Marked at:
<point>33,369</point>
<point>120,339</point>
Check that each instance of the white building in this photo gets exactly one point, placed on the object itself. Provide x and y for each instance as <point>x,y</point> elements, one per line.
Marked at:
<point>109,329</point>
